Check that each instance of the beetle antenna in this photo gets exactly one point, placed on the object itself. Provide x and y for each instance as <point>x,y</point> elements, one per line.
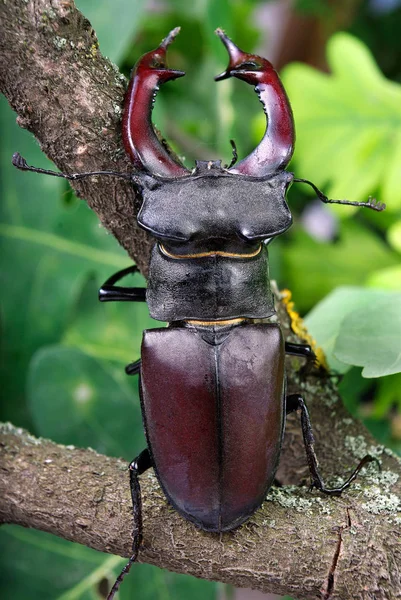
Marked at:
<point>371,203</point>
<point>235,155</point>
<point>20,162</point>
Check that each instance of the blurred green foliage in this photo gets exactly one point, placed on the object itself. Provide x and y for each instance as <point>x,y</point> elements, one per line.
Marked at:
<point>62,354</point>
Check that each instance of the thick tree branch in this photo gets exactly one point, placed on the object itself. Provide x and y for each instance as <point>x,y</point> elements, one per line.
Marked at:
<point>299,543</point>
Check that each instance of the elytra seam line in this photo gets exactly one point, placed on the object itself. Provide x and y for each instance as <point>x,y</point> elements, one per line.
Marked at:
<point>219,431</point>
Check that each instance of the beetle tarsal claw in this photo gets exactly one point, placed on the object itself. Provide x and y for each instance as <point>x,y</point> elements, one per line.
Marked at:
<point>376,204</point>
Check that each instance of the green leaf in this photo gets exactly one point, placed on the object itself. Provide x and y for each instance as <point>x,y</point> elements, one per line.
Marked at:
<point>109,331</point>
<point>370,336</point>
<point>49,246</point>
<point>386,279</point>
<point>357,326</point>
<point>115,24</point>
<point>152,583</point>
<point>394,235</point>
<point>314,268</point>
<point>68,566</point>
<point>99,404</point>
<point>352,388</point>
<point>388,395</point>
<point>348,124</point>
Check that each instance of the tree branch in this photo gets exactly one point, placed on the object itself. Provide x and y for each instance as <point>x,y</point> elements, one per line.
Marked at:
<point>299,543</point>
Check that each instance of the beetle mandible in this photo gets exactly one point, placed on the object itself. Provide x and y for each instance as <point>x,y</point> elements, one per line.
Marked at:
<point>220,362</point>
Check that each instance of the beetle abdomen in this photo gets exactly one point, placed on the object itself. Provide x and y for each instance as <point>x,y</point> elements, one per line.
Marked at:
<point>214,417</point>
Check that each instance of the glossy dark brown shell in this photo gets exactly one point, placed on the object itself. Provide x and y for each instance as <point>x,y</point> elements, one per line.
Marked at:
<point>214,418</point>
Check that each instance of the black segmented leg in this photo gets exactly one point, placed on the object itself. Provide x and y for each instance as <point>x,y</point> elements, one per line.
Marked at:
<point>138,466</point>
<point>110,292</point>
<point>304,351</point>
<point>295,401</point>
<point>133,368</point>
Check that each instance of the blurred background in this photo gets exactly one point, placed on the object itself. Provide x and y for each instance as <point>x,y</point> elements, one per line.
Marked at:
<point>63,354</point>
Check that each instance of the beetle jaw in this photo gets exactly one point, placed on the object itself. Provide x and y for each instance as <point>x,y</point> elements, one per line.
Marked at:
<point>155,62</point>
<point>248,67</point>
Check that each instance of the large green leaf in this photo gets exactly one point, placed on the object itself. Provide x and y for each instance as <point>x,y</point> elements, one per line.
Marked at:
<point>40,566</point>
<point>394,235</point>
<point>370,335</point>
<point>49,247</point>
<point>151,583</point>
<point>348,124</point>
<point>387,279</point>
<point>361,327</point>
<point>74,572</point>
<point>313,268</point>
<point>98,407</point>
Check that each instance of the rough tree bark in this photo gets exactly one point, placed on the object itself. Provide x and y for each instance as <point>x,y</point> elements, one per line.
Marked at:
<point>300,543</point>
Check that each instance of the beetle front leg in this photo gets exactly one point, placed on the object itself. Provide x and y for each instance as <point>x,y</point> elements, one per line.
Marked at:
<point>295,401</point>
<point>138,466</point>
<point>109,292</point>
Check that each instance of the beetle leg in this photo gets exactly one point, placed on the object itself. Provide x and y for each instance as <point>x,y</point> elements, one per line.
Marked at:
<point>304,351</point>
<point>295,401</point>
<point>133,368</point>
<point>138,466</point>
<point>234,155</point>
<point>110,292</point>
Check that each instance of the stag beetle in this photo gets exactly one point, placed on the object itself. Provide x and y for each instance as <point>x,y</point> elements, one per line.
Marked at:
<point>220,363</point>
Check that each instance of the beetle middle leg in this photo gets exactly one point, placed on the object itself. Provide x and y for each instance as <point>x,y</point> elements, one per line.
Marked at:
<point>295,402</point>
<point>138,466</point>
<point>303,351</point>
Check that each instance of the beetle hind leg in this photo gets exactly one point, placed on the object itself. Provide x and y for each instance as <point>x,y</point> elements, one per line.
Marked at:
<point>294,402</point>
<point>138,466</point>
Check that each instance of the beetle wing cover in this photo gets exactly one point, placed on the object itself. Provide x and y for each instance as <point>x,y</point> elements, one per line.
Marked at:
<point>214,417</point>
